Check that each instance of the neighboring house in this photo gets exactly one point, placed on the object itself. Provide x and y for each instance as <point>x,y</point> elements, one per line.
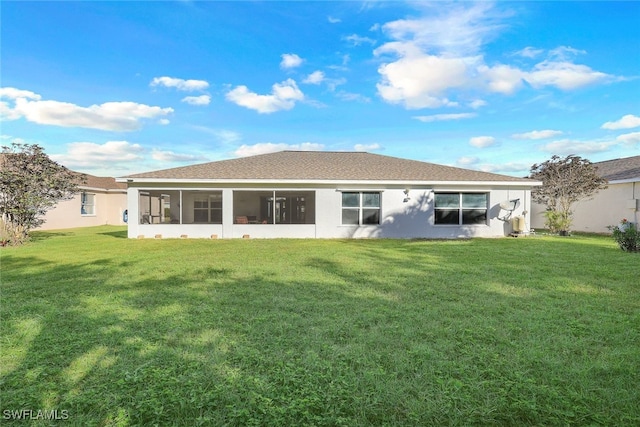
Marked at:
<point>323,195</point>
<point>621,199</point>
<point>100,201</point>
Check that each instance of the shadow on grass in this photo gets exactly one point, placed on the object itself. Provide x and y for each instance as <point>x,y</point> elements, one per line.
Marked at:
<point>120,234</point>
<point>36,236</point>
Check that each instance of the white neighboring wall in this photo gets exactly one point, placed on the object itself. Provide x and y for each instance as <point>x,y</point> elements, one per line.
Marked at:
<point>607,207</point>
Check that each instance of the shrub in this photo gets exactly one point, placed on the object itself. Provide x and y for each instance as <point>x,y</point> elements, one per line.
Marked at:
<point>627,235</point>
<point>12,234</point>
<point>558,222</point>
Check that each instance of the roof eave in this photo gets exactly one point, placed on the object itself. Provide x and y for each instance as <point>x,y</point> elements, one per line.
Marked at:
<point>399,182</point>
<point>624,181</point>
<point>106,190</point>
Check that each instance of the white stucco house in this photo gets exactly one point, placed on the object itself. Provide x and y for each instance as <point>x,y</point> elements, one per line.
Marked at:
<point>100,201</point>
<point>620,200</point>
<point>306,194</point>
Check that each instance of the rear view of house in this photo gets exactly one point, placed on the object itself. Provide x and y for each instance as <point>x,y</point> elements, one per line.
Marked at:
<point>324,195</point>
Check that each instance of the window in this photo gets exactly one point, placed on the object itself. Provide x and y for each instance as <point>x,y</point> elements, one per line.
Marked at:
<point>87,204</point>
<point>361,208</point>
<point>460,208</point>
<point>207,208</point>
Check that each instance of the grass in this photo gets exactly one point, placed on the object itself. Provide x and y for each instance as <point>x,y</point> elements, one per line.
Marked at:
<point>120,332</point>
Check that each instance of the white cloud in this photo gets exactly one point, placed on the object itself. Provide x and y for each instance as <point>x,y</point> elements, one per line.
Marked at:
<point>626,122</point>
<point>529,52</point>
<point>223,135</point>
<point>510,168</point>
<point>443,117</point>
<point>13,93</point>
<point>269,147</point>
<point>8,139</point>
<point>7,112</point>
<point>563,53</point>
<point>314,78</point>
<point>466,162</point>
<point>458,30</point>
<point>290,60</point>
<point>477,104</point>
<point>537,134</point>
<point>406,81</point>
<point>563,75</point>
<point>197,100</point>
<point>482,141</point>
<point>333,20</point>
<point>357,40</point>
<point>367,147</point>
<point>89,155</point>
<point>228,136</point>
<point>502,78</point>
<point>170,156</point>
<point>283,97</point>
<point>180,84</point>
<point>434,56</point>
<point>349,96</point>
<point>111,116</point>
<point>332,84</point>
<point>629,138</point>
<point>568,146</point>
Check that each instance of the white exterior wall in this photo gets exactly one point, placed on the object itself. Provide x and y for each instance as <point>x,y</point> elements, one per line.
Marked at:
<point>619,200</point>
<point>108,210</point>
<point>399,219</point>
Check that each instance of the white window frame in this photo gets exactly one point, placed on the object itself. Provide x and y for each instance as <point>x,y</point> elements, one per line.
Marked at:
<point>84,204</point>
<point>461,209</point>
<point>360,208</point>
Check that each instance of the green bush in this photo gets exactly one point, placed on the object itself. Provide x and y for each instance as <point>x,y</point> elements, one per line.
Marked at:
<point>12,234</point>
<point>558,221</point>
<point>627,236</point>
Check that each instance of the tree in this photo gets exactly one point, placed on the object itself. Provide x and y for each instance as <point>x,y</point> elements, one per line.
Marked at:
<point>564,182</point>
<point>31,184</point>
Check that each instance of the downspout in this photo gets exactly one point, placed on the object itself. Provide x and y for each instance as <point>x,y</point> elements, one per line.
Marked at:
<point>635,197</point>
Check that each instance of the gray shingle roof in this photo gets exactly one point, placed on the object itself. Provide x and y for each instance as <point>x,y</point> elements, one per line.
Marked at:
<point>620,169</point>
<point>325,165</point>
<point>102,182</point>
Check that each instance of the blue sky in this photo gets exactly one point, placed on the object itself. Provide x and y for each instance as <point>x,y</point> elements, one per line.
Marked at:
<point>113,88</point>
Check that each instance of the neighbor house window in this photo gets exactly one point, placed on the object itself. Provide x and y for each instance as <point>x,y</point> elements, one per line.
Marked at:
<point>87,204</point>
<point>360,208</point>
<point>461,208</point>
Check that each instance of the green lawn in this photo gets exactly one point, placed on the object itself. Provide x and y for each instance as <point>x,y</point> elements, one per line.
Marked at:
<point>112,331</point>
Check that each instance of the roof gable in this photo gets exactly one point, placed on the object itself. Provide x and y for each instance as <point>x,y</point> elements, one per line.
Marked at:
<point>324,165</point>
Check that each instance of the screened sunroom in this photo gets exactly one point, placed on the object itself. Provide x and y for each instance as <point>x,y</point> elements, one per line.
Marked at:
<point>180,207</point>
<point>274,207</point>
